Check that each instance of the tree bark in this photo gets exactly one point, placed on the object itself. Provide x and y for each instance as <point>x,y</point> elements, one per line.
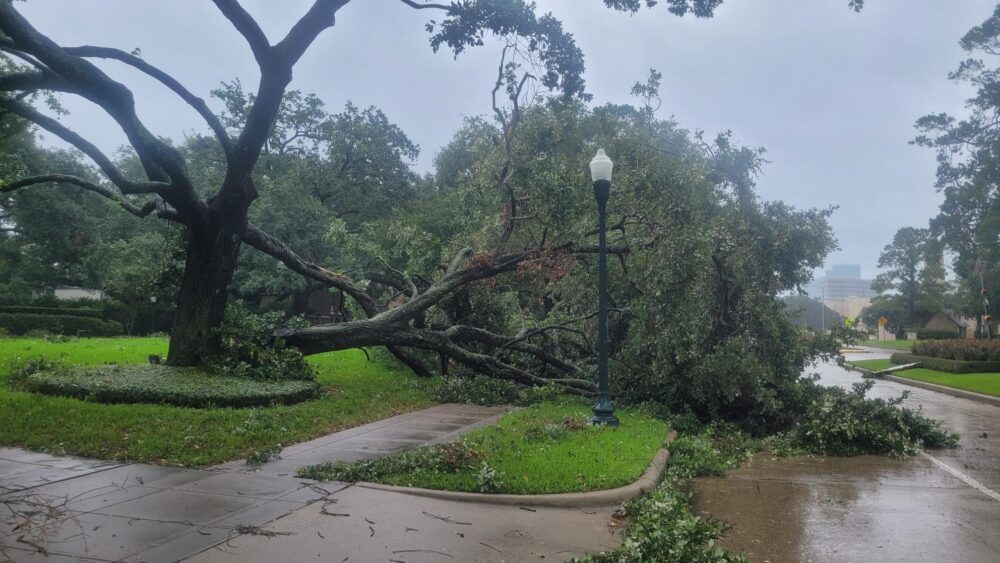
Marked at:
<point>212,253</point>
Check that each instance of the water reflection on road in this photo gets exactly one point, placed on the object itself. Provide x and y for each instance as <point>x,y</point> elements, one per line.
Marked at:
<point>869,508</point>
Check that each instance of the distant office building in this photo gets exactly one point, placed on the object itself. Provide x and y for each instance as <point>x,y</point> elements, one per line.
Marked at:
<point>841,282</point>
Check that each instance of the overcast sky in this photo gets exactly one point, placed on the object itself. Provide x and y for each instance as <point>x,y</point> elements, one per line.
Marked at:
<point>832,95</point>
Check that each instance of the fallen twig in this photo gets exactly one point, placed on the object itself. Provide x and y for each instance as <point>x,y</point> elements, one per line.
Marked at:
<point>446,519</point>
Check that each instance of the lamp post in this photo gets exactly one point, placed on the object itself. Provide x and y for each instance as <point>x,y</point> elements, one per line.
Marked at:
<point>600,173</point>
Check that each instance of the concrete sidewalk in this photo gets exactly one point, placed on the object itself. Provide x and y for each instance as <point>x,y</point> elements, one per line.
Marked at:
<point>359,524</point>
<point>72,509</point>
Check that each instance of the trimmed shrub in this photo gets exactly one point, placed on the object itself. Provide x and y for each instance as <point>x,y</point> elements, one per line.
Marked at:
<point>21,323</point>
<point>183,387</point>
<point>942,364</point>
<point>965,349</point>
<point>927,334</point>
<point>70,311</point>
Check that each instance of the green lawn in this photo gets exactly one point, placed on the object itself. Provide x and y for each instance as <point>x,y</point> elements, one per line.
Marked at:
<point>359,391</point>
<point>986,383</point>
<point>533,451</point>
<point>873,365</point>
<point>891,344</point>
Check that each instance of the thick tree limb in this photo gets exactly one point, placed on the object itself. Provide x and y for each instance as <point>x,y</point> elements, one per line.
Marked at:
<point>170,82</point>
<point>270,245</point>
<point>160,159</point>
<point>374,332</point>
<point>248,28</point>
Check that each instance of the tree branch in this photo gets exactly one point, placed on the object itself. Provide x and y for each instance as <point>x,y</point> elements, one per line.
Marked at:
<point>248,28</point>
<point>103,162</point>
<point>170,82</point>
<point>88,185</point>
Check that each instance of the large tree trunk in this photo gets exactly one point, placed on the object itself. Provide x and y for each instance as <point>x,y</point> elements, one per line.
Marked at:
<point>212,253</point>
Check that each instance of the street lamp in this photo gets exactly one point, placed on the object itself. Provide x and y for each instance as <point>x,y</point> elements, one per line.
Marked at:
<point>600,173</point>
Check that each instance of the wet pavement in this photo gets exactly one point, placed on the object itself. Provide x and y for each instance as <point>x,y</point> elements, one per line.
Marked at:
<point>941,506</point>
<point>361,524</point>
<point>73,509</point>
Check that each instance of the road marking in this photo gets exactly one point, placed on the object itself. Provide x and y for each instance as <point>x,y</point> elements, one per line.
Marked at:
<point>968,480</point>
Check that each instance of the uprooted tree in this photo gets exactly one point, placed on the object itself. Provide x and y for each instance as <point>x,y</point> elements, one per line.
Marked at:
<point>694,244</point>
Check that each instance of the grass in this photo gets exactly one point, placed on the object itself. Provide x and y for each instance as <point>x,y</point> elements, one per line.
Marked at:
<point>359,391</point>
<point>891,344</point>
<point>545,448</point>
<point>985,383</point>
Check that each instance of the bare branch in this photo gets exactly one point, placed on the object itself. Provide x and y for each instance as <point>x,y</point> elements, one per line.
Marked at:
<point>49,124</point>
<point>419,6</point>
<point>170,82</point>
<point>88,185</point>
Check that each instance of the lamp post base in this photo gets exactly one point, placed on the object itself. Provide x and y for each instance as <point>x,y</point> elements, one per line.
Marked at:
<point>604,412</point>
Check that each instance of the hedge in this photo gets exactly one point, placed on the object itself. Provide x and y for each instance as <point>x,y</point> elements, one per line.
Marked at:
<point>183,387</point>
<point>968,350</point>
<point>942,364</point>
<point>20,323</point>
<point>927,334</point>
<point>70,311</point>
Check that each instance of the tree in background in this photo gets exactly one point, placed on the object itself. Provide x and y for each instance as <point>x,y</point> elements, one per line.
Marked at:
<point>968,155</point>
<point>912,287</point>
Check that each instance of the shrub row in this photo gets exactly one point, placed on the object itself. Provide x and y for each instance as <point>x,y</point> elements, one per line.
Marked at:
<point>20,323</point>
<point>927,334</point>
<point>184,387</point>
<point>965,349</point>
<point>70,311</point>
<point>943,364</point>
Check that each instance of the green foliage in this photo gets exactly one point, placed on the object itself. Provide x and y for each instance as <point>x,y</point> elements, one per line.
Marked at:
<point>967,350</point>
<point>545,448</point>
<point>929,334</point>
<point>985,383</point>
<point>158,384</point>
<point>968,175</point>
<point>441,458</point>
<point>250,349</point>
<point>945,364</point>
<point>71,311</point>
<point>663,526</point>
<point>844,423</point>
<point>21,323</point>
<point>912,286</point>
<point>482,390</point>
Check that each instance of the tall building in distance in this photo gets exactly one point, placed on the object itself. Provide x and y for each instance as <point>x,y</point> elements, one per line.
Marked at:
<point>843,289</point>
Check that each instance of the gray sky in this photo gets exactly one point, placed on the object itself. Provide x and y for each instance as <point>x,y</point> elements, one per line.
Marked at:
<point>832,95</point>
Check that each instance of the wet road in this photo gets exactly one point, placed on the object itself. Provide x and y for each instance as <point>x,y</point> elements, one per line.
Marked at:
<point>942,506</point>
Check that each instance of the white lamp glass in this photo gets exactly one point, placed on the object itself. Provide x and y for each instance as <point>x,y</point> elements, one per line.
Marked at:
<point>600,167</point>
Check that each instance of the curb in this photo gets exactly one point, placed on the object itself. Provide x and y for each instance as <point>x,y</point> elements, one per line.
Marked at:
<point>961,393</point>
<point>609,497</point>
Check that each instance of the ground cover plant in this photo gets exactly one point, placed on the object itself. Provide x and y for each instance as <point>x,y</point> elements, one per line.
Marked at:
<point>985,383</point>
<point>158,384</point>
<point>546,448</point>
<point>356,391</point>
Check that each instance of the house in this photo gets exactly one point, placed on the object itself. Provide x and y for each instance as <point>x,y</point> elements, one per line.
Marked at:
<point>68,292</point>
<point>947,322</point>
